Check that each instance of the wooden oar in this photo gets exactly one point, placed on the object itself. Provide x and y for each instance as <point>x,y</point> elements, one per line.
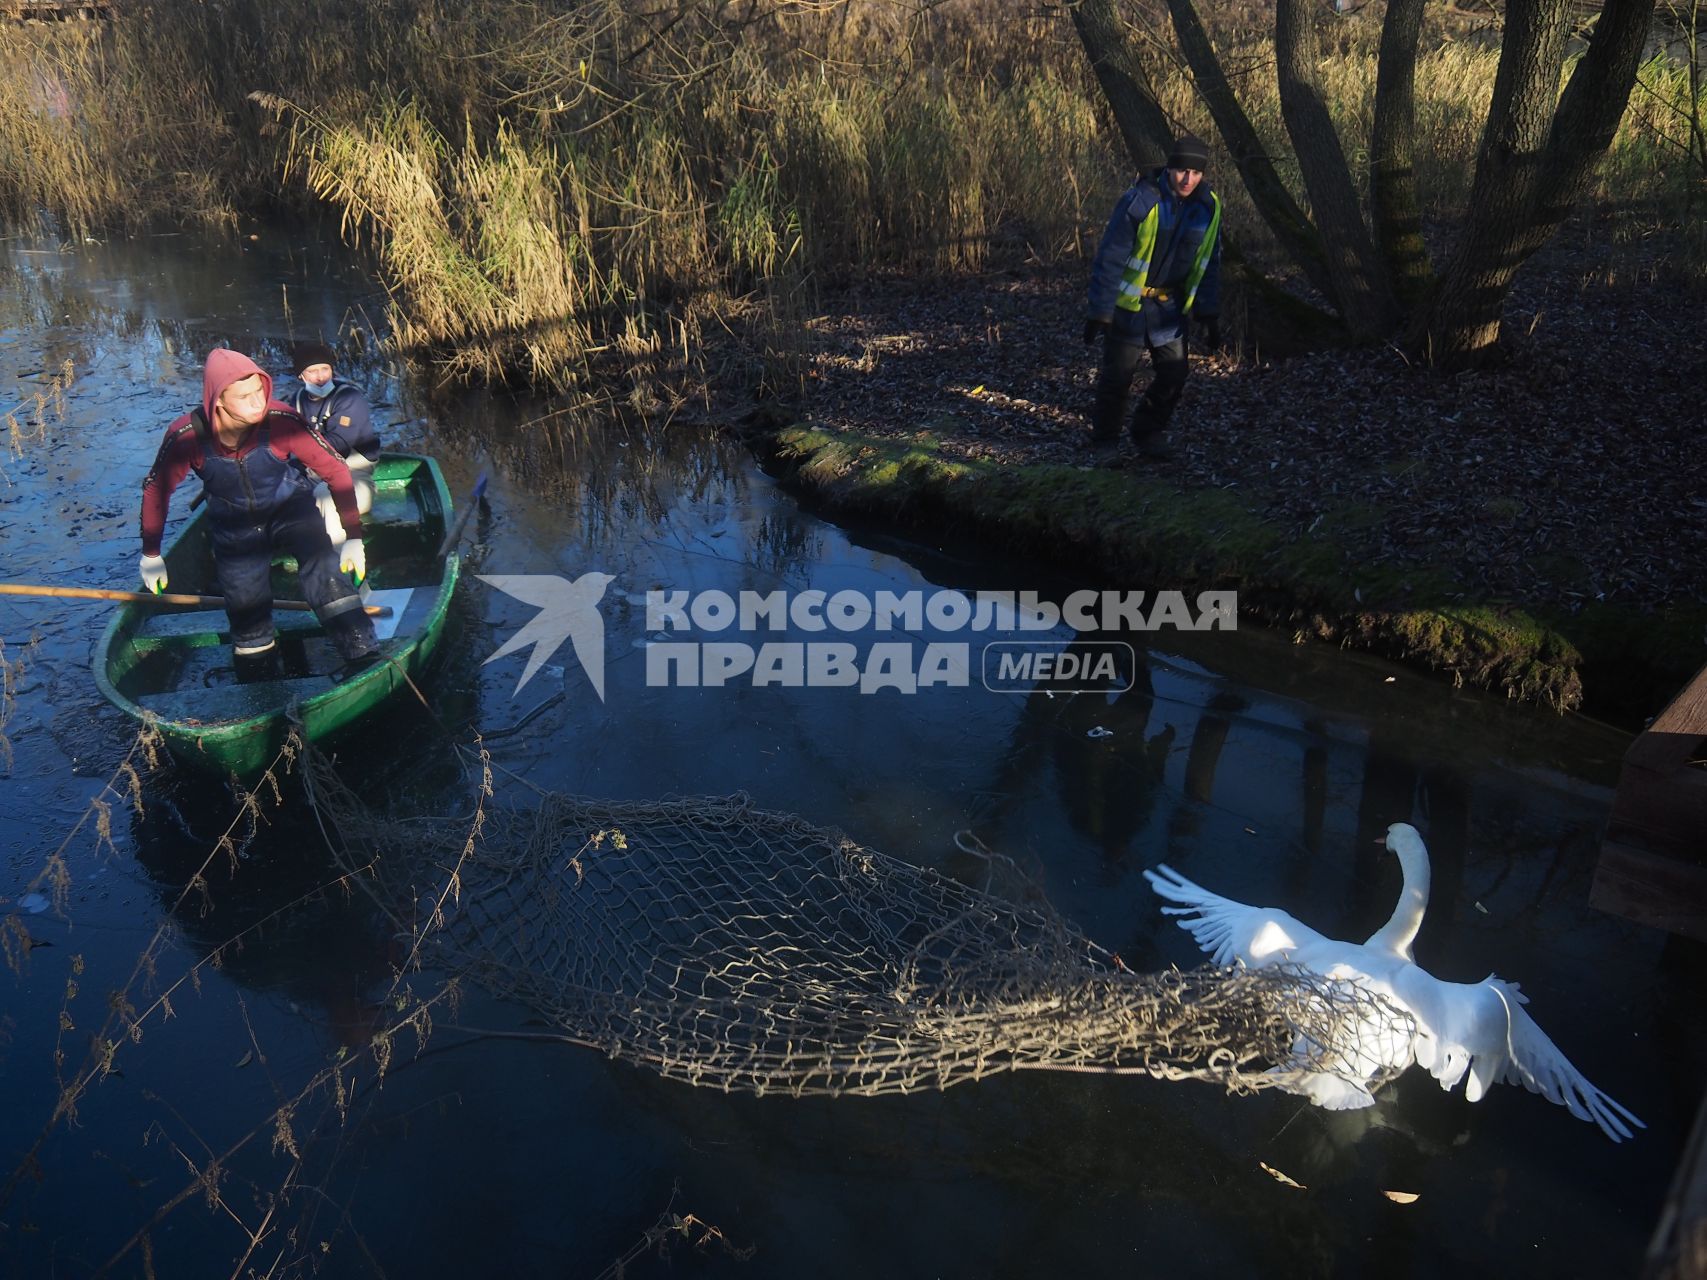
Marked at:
<point>148,597</point>
<point>455,534</point>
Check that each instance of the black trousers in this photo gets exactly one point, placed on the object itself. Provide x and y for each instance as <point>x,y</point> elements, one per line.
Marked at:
<point>1119,366</point>
<point>243,561</point>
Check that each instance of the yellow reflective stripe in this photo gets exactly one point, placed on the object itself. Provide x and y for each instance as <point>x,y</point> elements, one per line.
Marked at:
<point>1200,264</point>
<point>1138,265</point>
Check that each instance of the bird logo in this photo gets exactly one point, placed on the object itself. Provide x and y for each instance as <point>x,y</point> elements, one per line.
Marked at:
<point>567,611</point>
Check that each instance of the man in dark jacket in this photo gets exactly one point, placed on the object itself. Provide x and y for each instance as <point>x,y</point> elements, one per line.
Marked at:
<point>1157,271</point>
<point>338,412</point>
<point>245,446</point>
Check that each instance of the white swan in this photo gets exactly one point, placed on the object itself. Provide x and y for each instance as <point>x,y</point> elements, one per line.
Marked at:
<point>1477,1029</point>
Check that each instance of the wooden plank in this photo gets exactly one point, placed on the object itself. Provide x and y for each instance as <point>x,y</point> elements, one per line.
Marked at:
<point>1665,812</point>
<point>1651,889</point>
<point>1687,711</point>
<point>1678,1250</point>
<point>1661,802</point>
<point>1677,732</point>
<point>1664,750</point>
<point>163,626</point>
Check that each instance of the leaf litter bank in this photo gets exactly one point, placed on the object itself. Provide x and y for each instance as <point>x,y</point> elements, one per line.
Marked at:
<point>1536,528</point>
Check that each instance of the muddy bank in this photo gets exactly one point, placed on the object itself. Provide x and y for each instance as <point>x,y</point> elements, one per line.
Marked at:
<point>1128,528</point>
<point>1534,527</point>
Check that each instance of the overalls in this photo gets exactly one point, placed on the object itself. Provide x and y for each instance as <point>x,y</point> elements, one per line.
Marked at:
<point>258,505</point>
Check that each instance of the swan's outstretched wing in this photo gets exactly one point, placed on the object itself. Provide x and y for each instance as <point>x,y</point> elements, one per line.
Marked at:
<point>1481,1029</point>
<point>1536,1063</point>
<point>1230,930</point>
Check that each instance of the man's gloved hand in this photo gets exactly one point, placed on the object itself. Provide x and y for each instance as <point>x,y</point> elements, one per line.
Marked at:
<point>1092,328</point>
<point>352,559</point>
<point>154,573</point>
<point>1211,326</point>
<point>359,462</point>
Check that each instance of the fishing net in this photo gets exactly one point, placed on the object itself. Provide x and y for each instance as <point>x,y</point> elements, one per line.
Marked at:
<point>726,946</point>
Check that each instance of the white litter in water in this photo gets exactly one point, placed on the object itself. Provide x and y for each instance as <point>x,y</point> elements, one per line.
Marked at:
<point>1097,731</point>
<point>34,903</point>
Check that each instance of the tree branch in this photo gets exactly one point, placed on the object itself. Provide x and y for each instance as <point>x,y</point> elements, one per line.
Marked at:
<point>1273,201</point>
<point>1358,283</point>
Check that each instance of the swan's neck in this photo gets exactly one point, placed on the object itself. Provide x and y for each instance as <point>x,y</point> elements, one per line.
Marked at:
<point>1398,933</point>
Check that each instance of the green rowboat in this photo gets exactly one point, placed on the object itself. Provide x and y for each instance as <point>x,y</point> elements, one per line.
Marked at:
<point>175,668</point>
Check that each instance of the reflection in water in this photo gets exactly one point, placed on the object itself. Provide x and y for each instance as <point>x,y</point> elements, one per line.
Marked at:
<point>274,914</point>
<point>1246,761</point>
<point>1207,743</point>
<point>1106,761</point>
<point>1315,781</point>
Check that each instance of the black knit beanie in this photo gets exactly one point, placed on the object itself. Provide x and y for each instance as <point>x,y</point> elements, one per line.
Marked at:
<point>305,355</point>
<point>1189,152</point>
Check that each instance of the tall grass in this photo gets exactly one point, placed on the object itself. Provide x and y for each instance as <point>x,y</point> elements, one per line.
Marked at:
<point>1051,164</point>
<point>88,140</point>
<point>929,170</point>
<point>548,186</point>
<point>818,132</point>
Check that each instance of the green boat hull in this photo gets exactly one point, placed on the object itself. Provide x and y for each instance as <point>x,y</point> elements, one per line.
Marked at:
<point>173,669</point>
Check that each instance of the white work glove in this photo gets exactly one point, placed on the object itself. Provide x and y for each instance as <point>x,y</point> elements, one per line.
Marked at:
<point>359,462</point>
<point>154,573</point>
<point>329,514</point>
<point>352,559</point>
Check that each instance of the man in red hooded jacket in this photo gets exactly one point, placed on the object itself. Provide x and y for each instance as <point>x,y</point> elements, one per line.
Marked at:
<point>241,442</point>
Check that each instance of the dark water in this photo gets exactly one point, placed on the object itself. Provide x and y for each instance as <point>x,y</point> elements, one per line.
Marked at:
<point>1261,768</point>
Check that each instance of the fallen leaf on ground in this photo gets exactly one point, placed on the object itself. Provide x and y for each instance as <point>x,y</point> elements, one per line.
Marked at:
<point>1280,1177</point>
<point>1377,440</point>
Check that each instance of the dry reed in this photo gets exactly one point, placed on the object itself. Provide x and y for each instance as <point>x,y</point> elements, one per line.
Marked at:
<point>550,188</point>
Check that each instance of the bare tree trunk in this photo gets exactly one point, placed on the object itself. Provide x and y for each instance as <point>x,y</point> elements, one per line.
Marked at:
<point>1589,112</point>
<point>1537,153</point>
<point>1359,283</point>
<point>1697,135</point>
<point>1144,126</point>
<point>1392,155</point>
<point>1465,319</point>
<point>1273,201</point>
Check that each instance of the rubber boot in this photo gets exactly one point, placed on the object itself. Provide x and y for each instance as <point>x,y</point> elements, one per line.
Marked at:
<point>1155,447</point>
<point>1148,431</point>
<point>256,666</point>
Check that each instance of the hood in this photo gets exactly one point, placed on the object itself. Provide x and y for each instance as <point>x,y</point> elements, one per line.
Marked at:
<point>222,369</point>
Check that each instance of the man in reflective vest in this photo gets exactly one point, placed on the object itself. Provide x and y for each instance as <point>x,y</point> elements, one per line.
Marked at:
<point>1157,275</point>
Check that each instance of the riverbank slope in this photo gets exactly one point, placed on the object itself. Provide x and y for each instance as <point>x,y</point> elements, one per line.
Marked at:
<point>1536,528</point>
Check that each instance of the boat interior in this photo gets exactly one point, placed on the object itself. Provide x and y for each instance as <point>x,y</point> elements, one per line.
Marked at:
<point>178,663</point>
